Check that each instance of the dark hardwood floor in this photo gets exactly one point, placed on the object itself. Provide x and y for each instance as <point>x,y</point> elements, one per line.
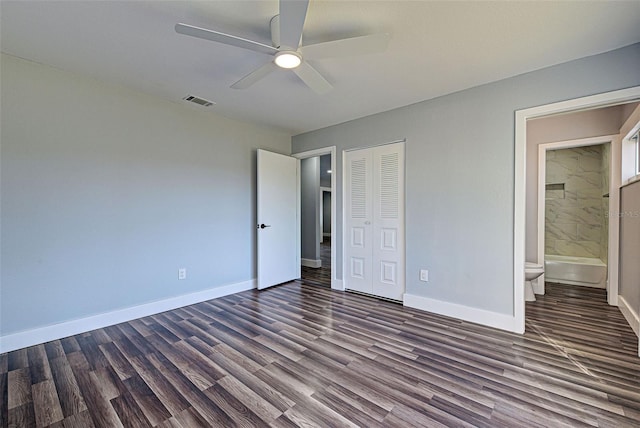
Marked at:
<point>320,276</point>
<point>301,355</point>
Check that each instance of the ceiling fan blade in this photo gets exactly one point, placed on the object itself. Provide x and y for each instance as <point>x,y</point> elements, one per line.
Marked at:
<point>292,16</point>
<point>312,78</point>
<point>227,39</point>
<point>347,47</point>
<point>254,76</point>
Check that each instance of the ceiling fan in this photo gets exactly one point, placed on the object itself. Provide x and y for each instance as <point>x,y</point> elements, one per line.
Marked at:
<point>286,34</point>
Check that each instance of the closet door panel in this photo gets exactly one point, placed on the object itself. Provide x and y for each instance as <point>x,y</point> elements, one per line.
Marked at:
<point>358,220</point>
<point>388,221</point>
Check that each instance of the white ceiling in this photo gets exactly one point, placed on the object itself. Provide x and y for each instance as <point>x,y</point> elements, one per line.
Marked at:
<point>436,48</point>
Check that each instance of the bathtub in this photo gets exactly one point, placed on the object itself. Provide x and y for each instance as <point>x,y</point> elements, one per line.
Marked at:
<point>583,271</point>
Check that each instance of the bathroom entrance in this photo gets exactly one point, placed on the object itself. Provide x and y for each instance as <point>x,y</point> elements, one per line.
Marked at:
<point>576,213</point>
<point>578,230</point>
<point>611,118</point>
<point>574,172</point>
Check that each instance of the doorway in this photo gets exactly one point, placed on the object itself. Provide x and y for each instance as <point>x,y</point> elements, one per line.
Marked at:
<point>574,185</point>
<point>318,217</point>
<point>520,226</point>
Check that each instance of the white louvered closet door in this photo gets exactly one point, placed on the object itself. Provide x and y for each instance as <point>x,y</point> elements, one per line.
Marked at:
<point>375,221</point>
<point>359,246</point>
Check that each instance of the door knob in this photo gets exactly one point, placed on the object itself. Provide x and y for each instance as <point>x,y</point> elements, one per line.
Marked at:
<point>367,222</point>
<point>262,226</point>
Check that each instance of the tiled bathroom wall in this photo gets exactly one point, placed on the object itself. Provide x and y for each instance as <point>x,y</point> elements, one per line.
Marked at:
<point>574,217</point>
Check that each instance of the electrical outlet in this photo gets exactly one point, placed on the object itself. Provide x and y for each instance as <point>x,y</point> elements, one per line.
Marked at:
<point>424,275</point>
<point>182,273</point>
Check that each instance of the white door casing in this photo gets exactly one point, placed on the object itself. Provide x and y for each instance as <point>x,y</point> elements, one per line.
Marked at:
<point>374,206</point>
<point>278,202</point>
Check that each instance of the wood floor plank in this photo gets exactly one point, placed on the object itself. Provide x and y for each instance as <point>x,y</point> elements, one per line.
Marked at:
<point>129,412</point>
<point>100,409</point>
<point>4,363</point>
<point>209,410</point>
<point>38,364</point>
<point>160,385</point>
<point>4,397</point>
<point>117,360</point>
<point>92,351</point>
<point>190,417</point>
<point>68,390</point>
<point>349,404</point>
<point>149,403</point>
<point>46,404</point>
<point>177,378</point>
<point>79,420</point>
<point>18,388</point>
<point>308,410</point>
<point>199,360</point>
<point>17,359</point>
<point>70,344</point>
<point>110,385</point>
<point>263,389</point>
<point>301,354</point>
<point>183,361</point>
<point>54,349</point>
<point>22,416</point>
<point>240,414</point>
<point>365,388</point>
<point>261,407</point>
<point>172,329</point>
<point>134,338</point>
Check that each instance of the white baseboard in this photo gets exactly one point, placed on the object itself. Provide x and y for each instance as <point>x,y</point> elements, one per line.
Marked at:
<point>337,284</point>
<point>632,317</point>
<point>311,263</point>
<point>39,335</point>
<point>465,313</point>
<point>326,234</point>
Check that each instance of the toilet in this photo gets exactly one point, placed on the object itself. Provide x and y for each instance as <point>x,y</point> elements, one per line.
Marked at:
<point>531,272</point>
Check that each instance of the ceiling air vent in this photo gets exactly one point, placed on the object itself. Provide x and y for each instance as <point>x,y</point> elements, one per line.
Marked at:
<point>198,100</point>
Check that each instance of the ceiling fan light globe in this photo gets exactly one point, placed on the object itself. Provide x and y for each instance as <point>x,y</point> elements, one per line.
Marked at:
<point>288,59</point>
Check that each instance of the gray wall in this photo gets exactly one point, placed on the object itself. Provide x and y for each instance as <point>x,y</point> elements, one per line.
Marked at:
<point>630,245</point>
<point>310,207</point>
<point>460,173</point>
<point>107,192</point>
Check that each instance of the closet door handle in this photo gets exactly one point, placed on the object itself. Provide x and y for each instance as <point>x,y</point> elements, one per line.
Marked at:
<point>367,222</point>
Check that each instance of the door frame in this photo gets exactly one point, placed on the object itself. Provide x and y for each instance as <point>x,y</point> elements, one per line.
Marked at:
<point>331,150</point>
<point>520,190</point>
<point>612,237</point>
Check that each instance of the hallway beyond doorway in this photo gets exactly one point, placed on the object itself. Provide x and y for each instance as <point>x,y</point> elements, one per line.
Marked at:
<point>320,276</point>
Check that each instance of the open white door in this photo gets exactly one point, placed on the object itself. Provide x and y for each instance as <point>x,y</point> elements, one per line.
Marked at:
<point>278,205</point>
